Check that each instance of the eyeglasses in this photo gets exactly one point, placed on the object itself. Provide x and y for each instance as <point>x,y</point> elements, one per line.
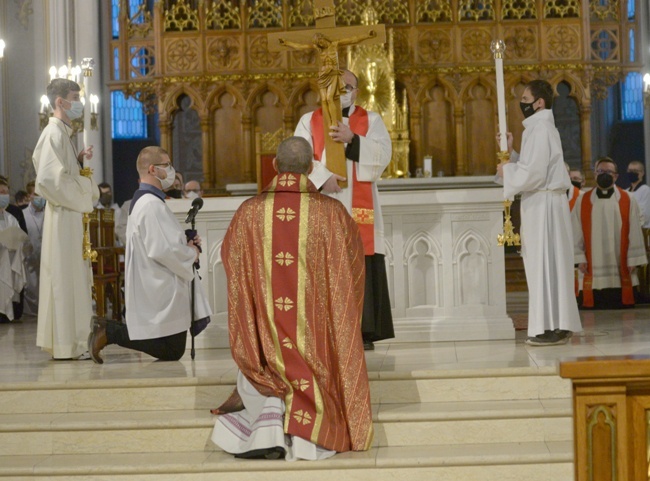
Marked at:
<point>633,171</point>
<point>164,165</point>
<point>349,88</point>
<point>610,172</point>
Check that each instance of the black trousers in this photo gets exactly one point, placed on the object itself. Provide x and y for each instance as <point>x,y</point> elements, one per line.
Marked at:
<point>168,348</point>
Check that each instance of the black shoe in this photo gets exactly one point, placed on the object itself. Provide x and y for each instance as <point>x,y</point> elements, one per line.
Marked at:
<point>266,453</point>
<point>550,338</point>
<point>368,346</point>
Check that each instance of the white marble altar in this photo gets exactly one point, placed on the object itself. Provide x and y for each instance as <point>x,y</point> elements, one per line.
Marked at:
<point>446,273</point>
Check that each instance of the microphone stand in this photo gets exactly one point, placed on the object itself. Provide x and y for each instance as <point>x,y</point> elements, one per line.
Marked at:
<point>192,351</point>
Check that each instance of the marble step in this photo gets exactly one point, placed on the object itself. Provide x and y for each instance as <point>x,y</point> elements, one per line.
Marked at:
<point>190,430</point>
<point>524,383</point>
<point>532,461</point>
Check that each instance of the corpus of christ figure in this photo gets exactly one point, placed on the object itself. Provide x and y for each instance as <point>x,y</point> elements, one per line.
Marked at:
<point>330,84</point>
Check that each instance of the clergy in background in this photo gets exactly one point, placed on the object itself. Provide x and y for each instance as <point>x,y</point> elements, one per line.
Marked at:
<point>608,241</point>
<point>65,305</point>
<point>12,271</point>
<point>34,217</point>
<point>640,190</point>
<point>294,263</point>
<point>539,174</point>
<point>368,152</point>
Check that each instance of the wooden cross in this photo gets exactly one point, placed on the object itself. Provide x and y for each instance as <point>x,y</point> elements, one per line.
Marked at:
<point>325,39</point>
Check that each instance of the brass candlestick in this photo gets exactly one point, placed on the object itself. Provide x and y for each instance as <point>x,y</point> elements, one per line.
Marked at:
<point>88,251</point>
<point>508,237</point>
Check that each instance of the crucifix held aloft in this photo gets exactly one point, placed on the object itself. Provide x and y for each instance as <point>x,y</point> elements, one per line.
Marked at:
<point>325,39</point>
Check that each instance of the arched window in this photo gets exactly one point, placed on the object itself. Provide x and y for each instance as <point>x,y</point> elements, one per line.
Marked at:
<point>632,97</point>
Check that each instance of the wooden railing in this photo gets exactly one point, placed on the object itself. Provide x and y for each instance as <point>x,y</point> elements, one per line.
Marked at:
<point>611,401</point>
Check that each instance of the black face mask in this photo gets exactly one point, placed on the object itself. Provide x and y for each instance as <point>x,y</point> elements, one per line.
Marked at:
<point>604,181</point>
<point>174,193</point>
<point>576,184</point>
<point>527,109</point>
<point>633,177</point>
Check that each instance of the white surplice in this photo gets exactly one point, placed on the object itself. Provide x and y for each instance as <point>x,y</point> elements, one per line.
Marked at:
<point>65,305</point>
<point>12,271</point>
<point>374,156</point>
<point>260,425</point>
<point>642,197</point>
<point>34,221</point>
<point>606,239</point>
<point>158,273</point>
<point>546,237</point>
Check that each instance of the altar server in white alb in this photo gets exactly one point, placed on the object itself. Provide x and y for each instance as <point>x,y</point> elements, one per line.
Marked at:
<point>608,241</point>
<point>159,262</point>
<point>65,306</point>
<point>368,150</point>
<point>539,175</point>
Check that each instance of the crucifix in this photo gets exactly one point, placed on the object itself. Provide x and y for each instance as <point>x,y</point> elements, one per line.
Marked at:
<point>326,38</point>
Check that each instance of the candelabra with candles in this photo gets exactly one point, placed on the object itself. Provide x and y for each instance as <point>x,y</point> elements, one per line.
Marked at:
<point>498,47</point>
<point>73,73</point>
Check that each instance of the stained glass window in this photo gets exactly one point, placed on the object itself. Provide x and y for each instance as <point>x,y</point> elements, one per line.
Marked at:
<point>632,46</point>
<point>134,5</point>
<point>128,117</point>
<point>632,97</point>
<point>631,9</point>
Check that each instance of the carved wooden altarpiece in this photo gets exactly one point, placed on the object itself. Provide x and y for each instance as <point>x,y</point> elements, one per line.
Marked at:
<point>216,53</point>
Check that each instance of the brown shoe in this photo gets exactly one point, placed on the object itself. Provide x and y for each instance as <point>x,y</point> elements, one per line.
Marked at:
<point>97,340</point>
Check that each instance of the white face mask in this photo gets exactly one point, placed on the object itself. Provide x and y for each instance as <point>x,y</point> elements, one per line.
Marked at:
<point>4,200</point>
<point>168,181</point>
<point>76,109</point>
<point>346,100</point>
<point>191,195</point>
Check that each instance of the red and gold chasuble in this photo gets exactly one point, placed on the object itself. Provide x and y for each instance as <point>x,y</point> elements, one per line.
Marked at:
<point>295,267</point>
<point>363,210</point>
<point>627,292</point>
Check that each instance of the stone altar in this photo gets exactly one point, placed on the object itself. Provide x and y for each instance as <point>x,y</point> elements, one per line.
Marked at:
<point>446,273</point>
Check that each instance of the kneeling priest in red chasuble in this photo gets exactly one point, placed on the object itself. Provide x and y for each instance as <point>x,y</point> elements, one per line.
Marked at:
<point>295,265</point>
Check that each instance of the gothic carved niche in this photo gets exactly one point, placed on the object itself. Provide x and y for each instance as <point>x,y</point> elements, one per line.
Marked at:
<point>140,24</point>
<point>521,43</point>
<point>433,11</point>
<point>392,11</point>
<point>476,44</point>
<point>472,10</point>
<point>301,13</point>
<point>562,8</point>
<point>563,42</point>
<point>434,46</point>
<point>181,17</point>
<point>604,11</point>
<point>603,79</point>
<point>349,12</point>
<point>519,9</point>
<point>401,47</point>
<point>259,53</point>
<point>222,15</point>
<point>223,53</point>
<point>264,14</point>
<point>182,55</point>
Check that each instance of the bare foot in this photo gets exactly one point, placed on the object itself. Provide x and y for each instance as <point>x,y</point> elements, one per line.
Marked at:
<point>233,404</point>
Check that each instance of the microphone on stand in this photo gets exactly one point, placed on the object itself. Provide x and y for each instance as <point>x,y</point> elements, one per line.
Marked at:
<point>196,207</point>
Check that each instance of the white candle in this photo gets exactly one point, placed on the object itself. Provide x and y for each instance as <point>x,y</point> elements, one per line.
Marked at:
<point>428,165</point>
<point>498,47</point>
<point>86,118</point>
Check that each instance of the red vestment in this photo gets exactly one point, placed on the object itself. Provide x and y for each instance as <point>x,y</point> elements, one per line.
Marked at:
<point>295,266</point>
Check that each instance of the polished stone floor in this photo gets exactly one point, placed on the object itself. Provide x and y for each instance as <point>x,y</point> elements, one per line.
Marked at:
<point>606,333</point>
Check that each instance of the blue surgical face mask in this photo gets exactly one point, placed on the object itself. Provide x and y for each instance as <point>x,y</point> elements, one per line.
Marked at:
<point>4,201</point>
<point>39,203</point>
<point>76,109</point>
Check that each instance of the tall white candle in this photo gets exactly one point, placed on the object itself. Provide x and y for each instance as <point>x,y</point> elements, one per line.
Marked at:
<point>428,166</point>
<point>498,47</point>
<point>86,116</point>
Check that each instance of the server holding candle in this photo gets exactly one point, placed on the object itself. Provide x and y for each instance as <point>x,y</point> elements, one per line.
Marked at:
<point>539,175</point>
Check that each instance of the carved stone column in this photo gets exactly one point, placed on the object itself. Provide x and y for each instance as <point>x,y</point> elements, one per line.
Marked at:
<point>585,134</point>
<point>459,126</point>
<point>166,134</point>
<point>208,152</point>
<point>249,169</point>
